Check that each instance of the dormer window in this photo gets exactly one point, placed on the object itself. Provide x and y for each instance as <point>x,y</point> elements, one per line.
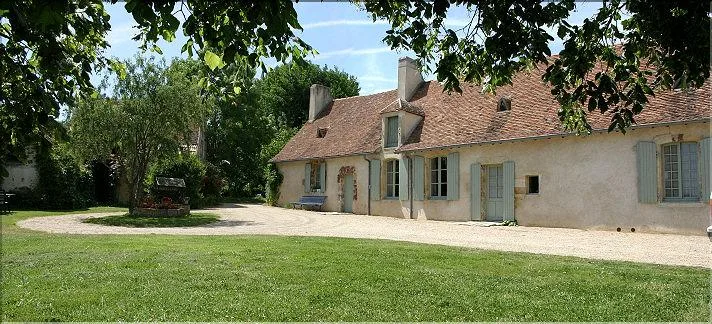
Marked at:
<point>321,132</point>
<point>391,132</point>
<point>505,104</point>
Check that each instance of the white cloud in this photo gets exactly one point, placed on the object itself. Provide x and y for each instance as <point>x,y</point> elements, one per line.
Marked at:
<point>373,78</point>
<point>352,52</point>
<point>332,23</point>
<point>120,34</point>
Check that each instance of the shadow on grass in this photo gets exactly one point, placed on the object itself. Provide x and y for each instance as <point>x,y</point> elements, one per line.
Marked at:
<point>127,220</point>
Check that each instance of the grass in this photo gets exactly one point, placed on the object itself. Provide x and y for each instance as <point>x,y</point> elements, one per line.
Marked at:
<point>128,220</point>
<point>51,277</point>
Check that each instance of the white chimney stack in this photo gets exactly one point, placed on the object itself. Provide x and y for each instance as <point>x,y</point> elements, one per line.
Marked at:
<point>319,98</point>
<point>409,77</point>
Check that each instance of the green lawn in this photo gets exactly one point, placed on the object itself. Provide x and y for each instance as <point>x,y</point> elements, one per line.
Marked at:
<point>263,278</point>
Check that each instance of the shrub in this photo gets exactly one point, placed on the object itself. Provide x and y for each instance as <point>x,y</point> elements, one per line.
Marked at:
<point>64,183</point>
<point>274,181</point>
<point>203,183</point>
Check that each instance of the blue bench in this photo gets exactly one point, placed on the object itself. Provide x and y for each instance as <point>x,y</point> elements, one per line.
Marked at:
<point>310,201</point>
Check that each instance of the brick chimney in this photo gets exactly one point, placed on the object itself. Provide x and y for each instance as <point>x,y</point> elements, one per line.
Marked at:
<point>409,77</point>
<point>319,98</point>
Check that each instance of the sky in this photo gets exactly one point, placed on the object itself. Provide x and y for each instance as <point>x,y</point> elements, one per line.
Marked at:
<point>344,36</point>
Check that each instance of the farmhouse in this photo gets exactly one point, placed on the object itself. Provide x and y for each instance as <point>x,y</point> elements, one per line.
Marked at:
<point>418,152</point>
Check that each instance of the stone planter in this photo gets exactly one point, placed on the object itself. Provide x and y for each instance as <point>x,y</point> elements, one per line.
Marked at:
<point>182,210</point>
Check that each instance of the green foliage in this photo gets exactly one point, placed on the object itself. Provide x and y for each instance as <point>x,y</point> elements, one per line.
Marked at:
<point>151,113</point>
<point>263,118</point>
<point>64,183</point>
<point>274,181</point>
<point>128,220</point>
<point>185,166</point>
<point>284,91</point>
<point>48,49</point>
<point>665,43</point>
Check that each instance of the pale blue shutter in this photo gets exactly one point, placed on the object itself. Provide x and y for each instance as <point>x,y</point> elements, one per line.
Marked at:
<point>418,178</point>
<point>705,168</point>
<point>508,190</point>
<point>307,178</point>
<point>403,179</point>
<point>647,172</point>
<point>476,192</point>
<point>322,176</point>
<point>375,177</point>
<point>453,176</point>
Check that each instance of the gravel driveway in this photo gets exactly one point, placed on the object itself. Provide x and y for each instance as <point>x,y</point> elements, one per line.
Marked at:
<point>256,219</point>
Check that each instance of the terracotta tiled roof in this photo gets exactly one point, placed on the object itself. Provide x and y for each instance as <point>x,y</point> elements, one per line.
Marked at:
<point>473,117</point>
<point>353,127</point>
<point>354,124</point>
<point>402,105</point>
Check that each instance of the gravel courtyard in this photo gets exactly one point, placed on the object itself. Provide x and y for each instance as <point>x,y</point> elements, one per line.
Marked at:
<point>239,219</point>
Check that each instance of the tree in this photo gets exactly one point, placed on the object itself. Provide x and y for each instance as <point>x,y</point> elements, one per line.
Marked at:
<point>150,113</point>
<point>664,44</point>
<point>284,91</point>
<point>264,110</point>
<point>48,49</point>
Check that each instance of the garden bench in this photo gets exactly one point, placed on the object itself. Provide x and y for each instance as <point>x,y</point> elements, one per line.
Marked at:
<point>310,201</point>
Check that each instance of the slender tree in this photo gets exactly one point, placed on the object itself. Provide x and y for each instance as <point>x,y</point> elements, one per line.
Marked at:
<point>149,114</point>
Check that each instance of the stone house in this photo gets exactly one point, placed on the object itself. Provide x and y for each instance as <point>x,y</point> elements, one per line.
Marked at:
<point>418,152</point>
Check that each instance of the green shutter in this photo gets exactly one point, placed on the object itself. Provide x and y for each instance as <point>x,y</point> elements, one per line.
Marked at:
<point>453,176</point>
<point>705,168</point>
<point>403,179</point>
<point>375,177</point>
<point>322,176</point>
<point>647,172</point>
<point>418,178</point>
<point>508,190</point>
<point>307,177</point>
<point>476,192</point>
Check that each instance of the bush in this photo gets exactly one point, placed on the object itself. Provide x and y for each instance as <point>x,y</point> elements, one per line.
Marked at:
<point>64,183</point>
<point>274,181</point>
<point>203,182</point>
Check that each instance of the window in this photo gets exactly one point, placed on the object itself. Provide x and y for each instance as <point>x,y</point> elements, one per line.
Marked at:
<point>680,171</point>
<point>315,176</point>
<point>438,177</point>
<point>391,131</point>
<point>504,104</point>
<point>392,188</point>
<point>495,181</point>
<point>321,132</point>
<point>532,184</point>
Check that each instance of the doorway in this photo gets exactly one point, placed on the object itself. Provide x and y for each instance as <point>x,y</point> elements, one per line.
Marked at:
<point>494,193</point>
<point>348,193</point>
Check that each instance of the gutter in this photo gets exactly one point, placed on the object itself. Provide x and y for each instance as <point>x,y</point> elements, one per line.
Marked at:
<point>549,136</point>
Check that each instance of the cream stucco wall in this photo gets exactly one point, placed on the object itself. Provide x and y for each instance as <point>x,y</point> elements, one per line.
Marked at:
<point>585,182</point>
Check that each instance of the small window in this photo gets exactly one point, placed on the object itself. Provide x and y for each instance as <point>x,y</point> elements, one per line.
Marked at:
<point>680,172</point>
<point>438,177</point>
<point>391,132</point>
<point>315,176</point>
<point>321,132</point>
<point>532,184</point>
<point>504,104</point>
<point>392,175</point>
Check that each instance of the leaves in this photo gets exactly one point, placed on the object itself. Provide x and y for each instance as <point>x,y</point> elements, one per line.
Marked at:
<point>212,60</point>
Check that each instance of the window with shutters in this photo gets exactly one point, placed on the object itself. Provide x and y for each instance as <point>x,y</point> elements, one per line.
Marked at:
<point>391,132</point>
<point>438,177</point>
<point>680,174</point>
<point>315,176</point>
<point>392,176</point>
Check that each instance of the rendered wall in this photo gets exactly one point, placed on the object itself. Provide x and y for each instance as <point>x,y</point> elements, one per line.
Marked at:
<point>585,182</point>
